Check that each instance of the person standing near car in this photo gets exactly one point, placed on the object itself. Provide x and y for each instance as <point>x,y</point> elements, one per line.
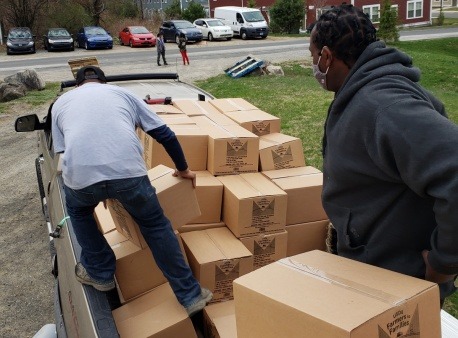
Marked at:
<point>160,46</point>
<point>93,126</point>
<point>390,155</point>
<point>182,46</point>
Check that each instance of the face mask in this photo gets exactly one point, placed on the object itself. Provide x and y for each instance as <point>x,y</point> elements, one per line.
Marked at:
<point>319,75</point>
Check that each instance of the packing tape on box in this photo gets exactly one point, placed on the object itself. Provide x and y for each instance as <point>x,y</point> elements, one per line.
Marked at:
<point>342,282</point>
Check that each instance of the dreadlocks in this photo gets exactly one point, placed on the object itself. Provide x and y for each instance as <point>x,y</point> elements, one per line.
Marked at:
<point>346,30</point>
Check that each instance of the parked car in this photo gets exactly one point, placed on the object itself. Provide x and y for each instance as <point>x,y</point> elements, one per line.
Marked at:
<point>20,40</point>
<point>81,310</point>
<point>214,29</point>
<point>173,28</point>
<point>92,37</point>
<point>137,36</point>
<point>58,39</point>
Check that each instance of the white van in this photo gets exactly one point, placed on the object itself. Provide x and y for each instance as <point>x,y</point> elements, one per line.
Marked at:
<point>245,22</point>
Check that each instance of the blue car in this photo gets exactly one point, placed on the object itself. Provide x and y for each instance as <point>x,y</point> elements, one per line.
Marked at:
<point>93,37</point>
<point>172,29</point>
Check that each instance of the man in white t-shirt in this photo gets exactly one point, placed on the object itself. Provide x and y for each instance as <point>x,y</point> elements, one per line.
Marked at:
<point>93,126</point>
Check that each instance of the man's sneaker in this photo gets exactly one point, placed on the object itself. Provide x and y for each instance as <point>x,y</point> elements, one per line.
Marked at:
<point>198,304</point>
<point>83,277</point>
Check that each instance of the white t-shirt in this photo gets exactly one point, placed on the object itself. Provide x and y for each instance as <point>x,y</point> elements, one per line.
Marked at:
<point>94,125</point>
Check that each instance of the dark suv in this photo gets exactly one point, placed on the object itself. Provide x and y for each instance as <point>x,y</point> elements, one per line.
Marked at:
<point>173,28</point>
<point>20,40</point>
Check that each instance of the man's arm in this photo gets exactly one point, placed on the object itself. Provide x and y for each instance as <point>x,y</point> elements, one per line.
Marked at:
<point>165,136</point>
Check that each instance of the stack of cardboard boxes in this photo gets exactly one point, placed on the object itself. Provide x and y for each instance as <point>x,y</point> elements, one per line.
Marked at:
<point>256,204</point>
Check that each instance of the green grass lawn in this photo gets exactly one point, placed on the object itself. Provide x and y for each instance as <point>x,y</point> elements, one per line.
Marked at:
<point>302,105</point>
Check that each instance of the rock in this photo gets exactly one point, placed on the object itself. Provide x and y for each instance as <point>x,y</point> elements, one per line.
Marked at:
<point>9,92</point>
<point>29,78</point>
<point>275,70</point>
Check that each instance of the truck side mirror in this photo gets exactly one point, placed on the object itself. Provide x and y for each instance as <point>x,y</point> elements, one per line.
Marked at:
<point>28,123</point>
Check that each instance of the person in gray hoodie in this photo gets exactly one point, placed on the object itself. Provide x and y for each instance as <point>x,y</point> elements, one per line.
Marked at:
<point>390,154</point>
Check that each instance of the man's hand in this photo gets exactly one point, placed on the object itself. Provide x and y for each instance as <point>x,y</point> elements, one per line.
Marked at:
<point>432,275</point>
<point>186,174</point>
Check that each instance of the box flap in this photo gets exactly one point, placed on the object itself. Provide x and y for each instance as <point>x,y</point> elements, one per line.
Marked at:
<point>243,116</point>
<point>164,109</point>
<point>290,172</point>
<point>274,139</point>
<point>232,104</point>
<point>195,108</point>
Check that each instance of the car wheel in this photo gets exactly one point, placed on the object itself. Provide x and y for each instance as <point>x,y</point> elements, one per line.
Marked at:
<point>33,50</point>
<point>120,42</point>
<point>8,51</point>
<point>45,45</point>
<point>210,37</point>
<point>72,48</point>
<point>229,39</point>
<point>243,35</point>
<point>86,46</point>
<point>177,39</point>
<point>131,44</point>
<point>263,37</point>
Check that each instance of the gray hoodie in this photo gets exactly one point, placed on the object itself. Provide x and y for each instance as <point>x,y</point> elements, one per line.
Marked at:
<point>391,168</point>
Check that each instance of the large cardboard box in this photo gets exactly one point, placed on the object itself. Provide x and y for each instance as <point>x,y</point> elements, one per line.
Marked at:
<point>200,226</point>
<point>280,151</point>
<point>216,258</point>
<point>305,237</point>
<point>193,141</point>
<point>209,192</point>
<point>103,218</point>
<point>176,196</point>
<point>320,295</point>
<point>303,186</point>
<point>257,121</point>
<point>165,109</point>
<point>219,320</point>
<point>266,248</point>
<point>253,205</point>
<point>217,118</point>
<point>173,119</point>
<point>232,104</point>
<point>231,149</point>
<point>156,314</point>
<point>195,108</point>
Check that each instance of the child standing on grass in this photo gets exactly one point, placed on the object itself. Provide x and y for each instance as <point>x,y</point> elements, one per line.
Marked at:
<point>182,47</point>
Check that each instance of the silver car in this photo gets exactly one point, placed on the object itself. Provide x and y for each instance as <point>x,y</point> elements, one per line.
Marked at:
<point>214,29</point>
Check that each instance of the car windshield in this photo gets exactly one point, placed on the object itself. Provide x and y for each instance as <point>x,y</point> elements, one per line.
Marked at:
<point>215,23</point>
<point>253,16</point>
<point>183,25</point>
<point>139,30</point>
<point>58,32</point>
<point>19,34</point>
<point>95,31</point>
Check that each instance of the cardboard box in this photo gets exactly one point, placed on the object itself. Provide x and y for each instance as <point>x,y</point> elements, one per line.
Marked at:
<point>303,186</point>
<point>232,104</point>
<point>156,314</point>
<point>176,196</point>
<point>280,151</point>
<point>257,121</point>
<point>174,119</point>
<point>219,320</point>
<point>216,258</point>
<point>103,218</point>
<point>253,205</point>
<point>200,226</point>
<point>231,150</point>
<point>305,237</point>
<point>217,118</point>
<point>195,108</point>
<point>266,248</point>
<point>193,141</point>
<point>164,109</point>
<point>320,295</point>
<point>209,192</point>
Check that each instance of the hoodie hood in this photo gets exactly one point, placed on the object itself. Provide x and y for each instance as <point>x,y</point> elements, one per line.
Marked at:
<point>376,61</point>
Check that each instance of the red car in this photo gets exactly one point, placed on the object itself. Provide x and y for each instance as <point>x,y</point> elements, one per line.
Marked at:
<point>136,36</point>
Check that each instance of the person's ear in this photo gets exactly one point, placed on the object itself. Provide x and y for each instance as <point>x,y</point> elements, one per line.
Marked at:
<point>326,54</point>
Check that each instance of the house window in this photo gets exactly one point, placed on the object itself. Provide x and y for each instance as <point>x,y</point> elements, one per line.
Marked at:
<point>373,12</point>
<point>414,9</point>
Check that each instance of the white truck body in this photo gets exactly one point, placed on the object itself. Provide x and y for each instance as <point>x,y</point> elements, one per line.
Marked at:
<point>245,22</point>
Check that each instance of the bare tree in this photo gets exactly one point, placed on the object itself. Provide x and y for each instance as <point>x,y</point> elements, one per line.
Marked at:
<point>93,7</point>
<point>22,13</point>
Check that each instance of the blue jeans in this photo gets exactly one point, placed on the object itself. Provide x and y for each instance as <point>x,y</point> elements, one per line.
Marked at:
<point>138,197</point>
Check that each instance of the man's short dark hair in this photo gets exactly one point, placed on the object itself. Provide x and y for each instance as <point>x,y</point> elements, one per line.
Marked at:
<point>90,73</point>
